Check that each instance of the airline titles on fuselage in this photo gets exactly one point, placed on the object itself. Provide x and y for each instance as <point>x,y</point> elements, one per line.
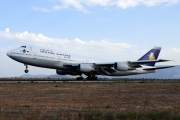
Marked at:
<point>52,53</point>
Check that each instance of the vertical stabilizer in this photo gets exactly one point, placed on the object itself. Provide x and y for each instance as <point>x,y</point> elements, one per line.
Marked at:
<point>151,55</point>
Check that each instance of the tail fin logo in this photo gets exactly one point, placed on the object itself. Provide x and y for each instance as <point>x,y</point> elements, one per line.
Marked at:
<point>151,56</point>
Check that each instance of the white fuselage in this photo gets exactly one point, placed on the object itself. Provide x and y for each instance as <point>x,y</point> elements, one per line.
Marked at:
<point>46,58</point>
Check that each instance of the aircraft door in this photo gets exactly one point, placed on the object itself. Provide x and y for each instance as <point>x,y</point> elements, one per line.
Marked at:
<point>34,55</point>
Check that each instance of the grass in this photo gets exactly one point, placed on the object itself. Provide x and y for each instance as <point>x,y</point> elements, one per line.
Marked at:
<point>132,115</point>
<point>89,101</point>
<point>90,115</point>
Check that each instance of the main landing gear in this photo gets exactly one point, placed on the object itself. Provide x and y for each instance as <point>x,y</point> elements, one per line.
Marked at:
<point>92,77</point>
<point>80,78</point>
<point>26,70</point>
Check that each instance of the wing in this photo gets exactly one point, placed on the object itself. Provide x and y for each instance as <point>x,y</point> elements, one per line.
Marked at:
<point>108,68</point>
<point>131,63</point>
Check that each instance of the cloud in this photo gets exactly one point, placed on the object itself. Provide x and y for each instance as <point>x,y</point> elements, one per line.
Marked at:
<point>105,49</point>
<point>42,9</point>
<point>83,5</point>
<point>177,50</point>
<point>6,30</point>
<point>133,3</point>
<point>77,46</point>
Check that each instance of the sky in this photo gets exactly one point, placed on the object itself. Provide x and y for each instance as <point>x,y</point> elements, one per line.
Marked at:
<point>117,30</point>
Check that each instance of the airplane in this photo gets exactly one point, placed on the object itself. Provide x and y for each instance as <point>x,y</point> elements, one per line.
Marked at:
<point>68,64</point>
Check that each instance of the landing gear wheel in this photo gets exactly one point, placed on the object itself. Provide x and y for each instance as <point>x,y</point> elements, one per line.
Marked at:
<point>92,78</point>
<point>26,71</point>
<point>95,78</point>
<point>89,78</point>
<point>79,78</point>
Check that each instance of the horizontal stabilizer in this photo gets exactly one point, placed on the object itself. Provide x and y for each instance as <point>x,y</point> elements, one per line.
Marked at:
<point>156,68</point>
<point>146,61</point>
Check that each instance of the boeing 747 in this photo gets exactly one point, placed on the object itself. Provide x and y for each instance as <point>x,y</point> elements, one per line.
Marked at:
<point>68,64</point>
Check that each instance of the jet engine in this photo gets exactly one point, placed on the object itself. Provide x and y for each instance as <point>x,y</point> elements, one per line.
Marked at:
<point>86,67</point>
<point>122,66</point>
<point>64,72</point>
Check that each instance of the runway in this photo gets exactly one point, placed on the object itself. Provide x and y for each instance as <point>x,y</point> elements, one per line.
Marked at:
<point>4,80</point>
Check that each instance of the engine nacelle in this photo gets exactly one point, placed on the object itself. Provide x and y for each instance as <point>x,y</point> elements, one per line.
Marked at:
<point>122,66</point>
<point>64,72</point>
<point>86,67</point>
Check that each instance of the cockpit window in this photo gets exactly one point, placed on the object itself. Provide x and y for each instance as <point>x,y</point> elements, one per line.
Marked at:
<point>23,46</point>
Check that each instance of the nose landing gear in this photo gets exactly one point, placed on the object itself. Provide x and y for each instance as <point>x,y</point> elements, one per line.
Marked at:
<point>26,70</point>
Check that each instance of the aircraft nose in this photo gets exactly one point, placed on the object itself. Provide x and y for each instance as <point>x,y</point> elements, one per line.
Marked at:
<point>8,53</point>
